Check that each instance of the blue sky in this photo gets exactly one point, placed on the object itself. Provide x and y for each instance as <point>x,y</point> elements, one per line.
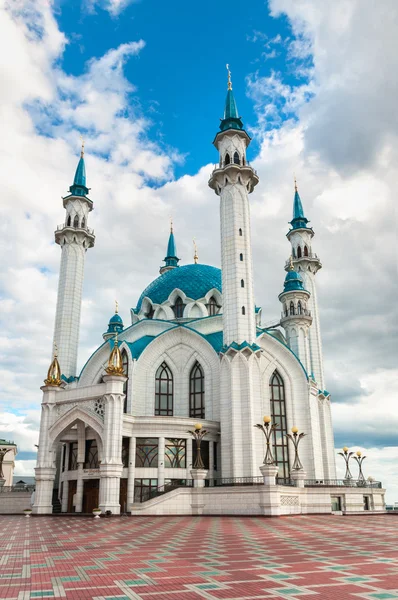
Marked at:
<point>145,82</point>
<point>180,75</point>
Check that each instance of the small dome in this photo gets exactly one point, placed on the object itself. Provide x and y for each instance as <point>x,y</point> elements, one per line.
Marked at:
<point>293,281</point>
<point>194,280</point>
<point>115,324</point>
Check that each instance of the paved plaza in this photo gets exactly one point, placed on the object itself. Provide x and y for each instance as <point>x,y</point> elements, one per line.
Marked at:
<point>191,558</point>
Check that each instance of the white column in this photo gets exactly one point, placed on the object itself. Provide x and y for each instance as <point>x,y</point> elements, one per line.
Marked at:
<point>65,495</point>
<point>131,472</point>
<point>79,489</point>
<point>189,458</point>
<point>211,462</point>
<point>161,468</point>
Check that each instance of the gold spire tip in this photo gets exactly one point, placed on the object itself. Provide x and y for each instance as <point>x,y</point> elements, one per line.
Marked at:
<point>295,184</point>
<point>291,267</point>
<point>82,150</point>
<point>195,255</point>
<point>116,306</point>
<point>229,77</point>
<point>171,224</point>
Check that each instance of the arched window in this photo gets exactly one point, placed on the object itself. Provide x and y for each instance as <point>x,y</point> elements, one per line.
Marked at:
<point>241,257</point>
<point>243,310</point>
<point>236,158</point>
<point>299,308</point>
<point>76,221</point>
<point>164,391</point>
<point>197,392</point>
<point>293,253</point>
<point>278,416</point>
<point>178,308</point>
<point>242,283</point>
<point>305,251</point>
<point>227,159</point>
<point>212,307</point>
<point>83,222</point>
<point>125,363</point>
<point>150,313</point>
<point>286,311</point>
<point>240,231</point>
<point>291,308</point>
<point>299,252</point>
<point>69,221</point>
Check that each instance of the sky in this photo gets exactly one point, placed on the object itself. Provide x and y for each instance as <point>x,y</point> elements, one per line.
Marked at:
<point>144,83</point>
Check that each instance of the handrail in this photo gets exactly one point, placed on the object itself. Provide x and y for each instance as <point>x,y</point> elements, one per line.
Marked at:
<point>341,483</point>
<point>17,488</point>
<point>164,489</point>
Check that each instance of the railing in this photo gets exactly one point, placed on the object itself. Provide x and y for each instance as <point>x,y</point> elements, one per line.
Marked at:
<point>232,164</point>
<point>304,312</point>
<point>341,483</point>
<point>16,488</point>
<point>309,255</point>
<point>232,481</point>
<point>63,226</point>
<point>285,481</point>
<point>164,489</point>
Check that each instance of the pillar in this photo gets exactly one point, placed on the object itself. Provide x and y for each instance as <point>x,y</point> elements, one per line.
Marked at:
<point>79,489</point>
<point>131,472</point>
<point>161,461</point>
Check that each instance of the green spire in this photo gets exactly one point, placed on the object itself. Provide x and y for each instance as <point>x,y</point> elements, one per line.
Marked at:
<point>231,118</point>
<point>171,259</point>
<point>79,187</point>
<point>299,221</point>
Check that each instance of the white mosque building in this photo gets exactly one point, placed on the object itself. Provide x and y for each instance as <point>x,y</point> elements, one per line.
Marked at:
<point>194,352</point>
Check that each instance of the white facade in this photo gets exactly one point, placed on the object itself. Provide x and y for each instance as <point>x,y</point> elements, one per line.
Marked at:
<point>190,354</point>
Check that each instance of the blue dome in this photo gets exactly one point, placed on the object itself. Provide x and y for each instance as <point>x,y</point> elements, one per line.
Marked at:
<point>194,280</point>
<point>116,319</point>
<point>115,324</point>
<point>293,281</point>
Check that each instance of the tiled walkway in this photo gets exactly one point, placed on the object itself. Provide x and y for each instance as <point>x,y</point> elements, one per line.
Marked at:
<point>191,558</point>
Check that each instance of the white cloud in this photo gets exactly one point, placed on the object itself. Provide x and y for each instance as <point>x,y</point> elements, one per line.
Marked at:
<point>114,7</point>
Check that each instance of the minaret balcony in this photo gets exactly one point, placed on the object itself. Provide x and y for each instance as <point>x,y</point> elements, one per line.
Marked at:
<point>298,317</point>
<point>86,229</point>
<point>83,235</point>
<point>311,258</point>
<point>233,172</point>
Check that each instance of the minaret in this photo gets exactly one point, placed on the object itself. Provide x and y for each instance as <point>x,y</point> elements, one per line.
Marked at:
<point>296,318</point>
<point>75,238</point>
<point>171,260</point>
<point>233,180</point>
<point>307,264</point>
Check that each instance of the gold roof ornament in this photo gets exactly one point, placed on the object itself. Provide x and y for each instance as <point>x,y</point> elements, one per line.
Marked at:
<point>171,224</point>
<point>116,307</point>
<point>295,183</point>
<point>291,266</point>
<point>195,255</point>
<point>229,78</point>
<point>54,372</point>
<point>115,362</point>
<point>82,150</point>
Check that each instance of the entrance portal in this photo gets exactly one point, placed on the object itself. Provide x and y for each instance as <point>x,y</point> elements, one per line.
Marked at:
<point>90,494</point>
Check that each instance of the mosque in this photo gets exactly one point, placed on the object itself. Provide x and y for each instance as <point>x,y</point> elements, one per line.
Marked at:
<point>194,352</point>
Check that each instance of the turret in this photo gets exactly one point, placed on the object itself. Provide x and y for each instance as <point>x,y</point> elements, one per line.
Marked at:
<point>171,260</point>
<point>75,238</point>
<point>296,318</point>
<point>232,180</point>
<point>115,325</point>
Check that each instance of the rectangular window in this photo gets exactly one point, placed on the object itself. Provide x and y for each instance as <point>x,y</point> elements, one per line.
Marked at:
<point>125,451</point>
<point>175,454</point>
<point>366,503</point>
<point>91,455</point>
<point>336,503</point>
<point>144,489</point>
<point>215,456</point>
<point>73,456</point>
<point>146,454</point>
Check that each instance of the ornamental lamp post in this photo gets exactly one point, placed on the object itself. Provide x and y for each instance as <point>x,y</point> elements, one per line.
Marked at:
<point>359,459</point>
<point>198,434</point>
<point>347,455</point>
<point>295,439</point>
<point>3,452</point>
<point>267,430</point>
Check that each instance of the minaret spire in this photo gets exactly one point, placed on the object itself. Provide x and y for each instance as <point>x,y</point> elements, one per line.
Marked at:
<point>171,260</point>
<point>75,238</point>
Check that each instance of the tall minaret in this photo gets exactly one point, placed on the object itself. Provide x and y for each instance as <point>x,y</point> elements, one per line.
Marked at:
<point>75,238</point>
<point>233,180</point>
<point>307,264</point>
<point>171,260</point>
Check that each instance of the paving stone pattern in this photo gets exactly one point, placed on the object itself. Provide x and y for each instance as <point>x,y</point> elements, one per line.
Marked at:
<point>191,558</point>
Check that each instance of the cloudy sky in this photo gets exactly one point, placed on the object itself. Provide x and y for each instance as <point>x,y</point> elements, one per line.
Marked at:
<point>316,85</point>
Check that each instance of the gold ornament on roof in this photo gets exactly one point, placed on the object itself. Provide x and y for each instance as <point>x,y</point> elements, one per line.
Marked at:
<point>295,184</point>
<point>54,372</point>
<point>291,266</point>
<point>115,362</point>
<point>195,255</point>
<point>229,78</point>
<point>171,224</point>
<point>82,150</point>
<point>116,307</point>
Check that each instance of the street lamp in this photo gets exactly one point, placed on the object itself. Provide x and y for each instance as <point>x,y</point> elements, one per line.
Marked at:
<point>359,459</point>
<point>267,430</point>
<point>347,455</point>
<point>3,452</point>
<point>198,434</point>
<point>295,439</point>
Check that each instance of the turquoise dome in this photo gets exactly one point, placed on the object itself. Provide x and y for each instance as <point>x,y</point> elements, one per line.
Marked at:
<point>194,280</point>
<point>115,324</point>
<point>293,281</point>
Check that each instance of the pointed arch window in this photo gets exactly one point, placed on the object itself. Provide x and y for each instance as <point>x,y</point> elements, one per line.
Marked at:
<point>83,223</point>
<point>69,221</point>
<point>227,159</point>
<point>299,308</point>
<point>291,308</point>
<point>212,307</point>
<point>305,250</point>
<point>242,283</point>
<point>243,310</point>
<point>125,363</point>
<point>197,392</point>
<point>240,231</point>
<point>299,252</point>
<point>164,391</point>
<point>178,308</point>
<point>236,158</point>
<point>241,257</point>
<point>278,416</point>
<point>76,221</point>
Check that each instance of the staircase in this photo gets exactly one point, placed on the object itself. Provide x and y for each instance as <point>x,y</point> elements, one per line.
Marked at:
<point>57,508</point>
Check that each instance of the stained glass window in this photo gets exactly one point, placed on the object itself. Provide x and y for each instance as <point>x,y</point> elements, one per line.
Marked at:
<point>197,392</point>
<point>278,415</point>
<point>146,454</point>
<point>164,391</point>
<point>175,454</point>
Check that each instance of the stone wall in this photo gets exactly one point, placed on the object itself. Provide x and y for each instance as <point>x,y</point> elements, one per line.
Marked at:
<point>13,503</point>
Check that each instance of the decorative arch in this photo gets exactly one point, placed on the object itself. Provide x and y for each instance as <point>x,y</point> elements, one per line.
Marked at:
<point>212,306</point>
<point>69,419</point>
<point>299,252</point>
<point>164,391</point>
<point>178,308</point>
<point>76,221</point>
<point>83,223</point>
<point>236,158</point>
<point>278,416</point>
<point>227,159</point>
<point>197,392</point>
<point>291,308</point>
<point>305,250</point>
<point>69,221</point>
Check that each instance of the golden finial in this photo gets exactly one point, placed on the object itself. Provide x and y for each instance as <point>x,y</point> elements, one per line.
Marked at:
<point>290,267</point>
<point>171,224</point>
<point>195,256</point>
<point>54,371</point>
<point>295,183</point>
<point>115,362</point>
<point>116,306</point>
<point>82,150</point>
<point>229,78</point>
